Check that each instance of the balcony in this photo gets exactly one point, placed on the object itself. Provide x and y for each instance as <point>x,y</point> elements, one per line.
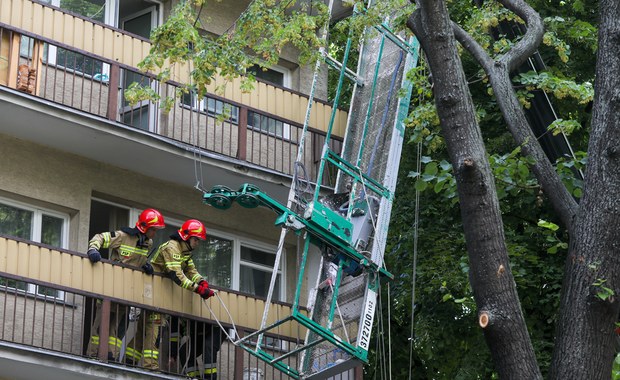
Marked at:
<point>83,66</point>
<point>48,298</point>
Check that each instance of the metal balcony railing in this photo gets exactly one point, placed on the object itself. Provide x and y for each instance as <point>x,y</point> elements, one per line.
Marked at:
<point>49,300</point>
<point>96,85</point>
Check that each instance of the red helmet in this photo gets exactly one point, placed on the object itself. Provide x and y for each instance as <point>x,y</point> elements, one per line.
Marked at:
<point>150,218</point>
<point>194,228</point>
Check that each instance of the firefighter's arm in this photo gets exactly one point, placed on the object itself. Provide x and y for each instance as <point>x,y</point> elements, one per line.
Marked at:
<point>192,273</point>
<point>105,240</point>
<point>173,267</point>
<point>102,240</point>
<point>203,286</point>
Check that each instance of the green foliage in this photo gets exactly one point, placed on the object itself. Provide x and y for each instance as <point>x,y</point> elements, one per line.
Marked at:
<point>257,38</point>
<point>602,292</point>
<point>615,372</point>
<point>560,88</point>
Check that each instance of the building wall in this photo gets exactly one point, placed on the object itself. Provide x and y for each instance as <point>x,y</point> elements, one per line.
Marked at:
<point>59,181</point>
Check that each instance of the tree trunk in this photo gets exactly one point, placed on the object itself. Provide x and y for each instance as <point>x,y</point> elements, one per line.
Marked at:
<point>490,276</point>
<point>585,335</point>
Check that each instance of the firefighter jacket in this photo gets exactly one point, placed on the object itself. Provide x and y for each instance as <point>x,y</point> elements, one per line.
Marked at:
<point>174,258</point>
<point>128,246</point>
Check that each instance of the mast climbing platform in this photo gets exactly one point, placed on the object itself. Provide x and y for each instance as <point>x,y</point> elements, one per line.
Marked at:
<point>345,227</point>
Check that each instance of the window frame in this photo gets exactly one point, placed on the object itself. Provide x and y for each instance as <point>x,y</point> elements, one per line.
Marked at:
<point>36,224</point>
<point>202,106</point>
<point>286,127</point>
<point>286,76</point>
<point>266,248</point>
<point>52,50</point>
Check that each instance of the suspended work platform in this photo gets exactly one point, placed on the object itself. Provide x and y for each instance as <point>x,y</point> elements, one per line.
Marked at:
<point>346,226</point>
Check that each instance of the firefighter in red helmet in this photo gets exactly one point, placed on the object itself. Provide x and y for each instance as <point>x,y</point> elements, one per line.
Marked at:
<point>174,259</point>
<point>128,246</point>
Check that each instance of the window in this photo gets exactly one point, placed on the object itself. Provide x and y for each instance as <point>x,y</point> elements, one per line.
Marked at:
<point>277,75</point>
<point>212,107</point>
<point>98,10</point>
<point>255,269</point>
<point>214,258</point>
<point>269,125</point>
<point>36,224</point>
<point>230,262</point>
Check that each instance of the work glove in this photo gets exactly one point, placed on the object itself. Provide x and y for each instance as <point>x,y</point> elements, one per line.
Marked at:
<point>93,255</point>
<point>203,283</point>
<point>148,268</point>
<point>204,292</point>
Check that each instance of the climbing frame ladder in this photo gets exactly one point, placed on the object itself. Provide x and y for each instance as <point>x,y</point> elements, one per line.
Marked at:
<point>348,227</point>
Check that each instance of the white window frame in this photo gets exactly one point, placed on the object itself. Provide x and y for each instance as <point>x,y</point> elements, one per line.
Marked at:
<point>286,81</point>
<point>286,128</point>
<point>35,234</point>
<point>237,242</point>
<point>267,248</point>
<point>109,19</point>
<point>286,74</point>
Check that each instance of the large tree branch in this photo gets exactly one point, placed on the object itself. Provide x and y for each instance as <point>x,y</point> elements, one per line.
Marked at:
<point>499,76</point>
<point>523,49</point>
<point>473,47</point>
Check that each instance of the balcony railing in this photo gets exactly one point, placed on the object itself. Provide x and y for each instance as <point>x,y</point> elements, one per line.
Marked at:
<point>48,300</point>
<point>90,67</point>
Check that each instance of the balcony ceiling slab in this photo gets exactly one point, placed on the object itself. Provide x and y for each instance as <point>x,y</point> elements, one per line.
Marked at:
<point>20,362</point>
<point>46,123</point>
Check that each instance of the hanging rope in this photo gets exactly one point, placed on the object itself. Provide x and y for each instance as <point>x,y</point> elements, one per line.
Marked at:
<point>416,221</point>
<point>233,339</point>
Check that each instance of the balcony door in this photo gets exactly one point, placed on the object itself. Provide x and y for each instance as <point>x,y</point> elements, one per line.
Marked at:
<point>141,115</point>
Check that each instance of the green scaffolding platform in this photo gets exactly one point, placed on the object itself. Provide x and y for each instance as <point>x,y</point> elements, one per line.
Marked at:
<point>346,227</point>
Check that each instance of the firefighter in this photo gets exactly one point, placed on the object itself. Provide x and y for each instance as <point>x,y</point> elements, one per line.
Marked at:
<point>174,259</point>
<point>128,246</point>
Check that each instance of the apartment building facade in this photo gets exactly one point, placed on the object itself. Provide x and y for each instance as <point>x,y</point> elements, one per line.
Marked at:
<point>77,159</point>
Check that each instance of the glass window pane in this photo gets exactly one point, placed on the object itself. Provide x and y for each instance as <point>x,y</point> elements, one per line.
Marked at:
<point>270,75</point>
<point>256,282</point>
<point>51,231</point>
<point>258,257</point>
<point>21,285</point>
<point>94,9</point>
<point>15,222</point>
<point>213,259</point>
<point>26,45</point>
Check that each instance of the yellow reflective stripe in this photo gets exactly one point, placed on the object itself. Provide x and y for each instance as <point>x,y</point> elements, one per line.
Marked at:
<point>187,284</point>
<point>197,278</point>
<point>127,250</point>
<point>162,246</point>
<point>94,339</point>
<point>106,239</point>
<point>209,371</point>
<point>192,373</point>
<point>133,353</point>
<point>112,341</point>
<point>150,354</point>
